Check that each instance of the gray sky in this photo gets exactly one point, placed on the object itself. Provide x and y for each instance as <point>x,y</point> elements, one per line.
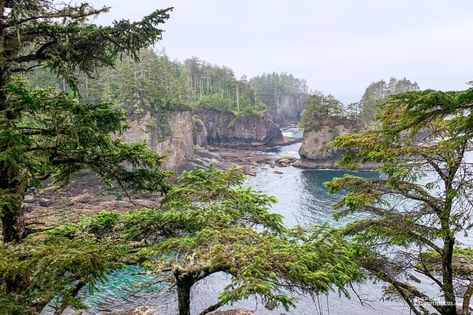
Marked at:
<point>338,46</point>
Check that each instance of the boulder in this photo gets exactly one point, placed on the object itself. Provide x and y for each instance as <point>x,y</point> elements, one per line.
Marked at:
<point>43,202</point>
<point>284,161</point>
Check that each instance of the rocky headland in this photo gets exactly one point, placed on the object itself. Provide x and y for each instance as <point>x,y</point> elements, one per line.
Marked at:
<point>316,151</point>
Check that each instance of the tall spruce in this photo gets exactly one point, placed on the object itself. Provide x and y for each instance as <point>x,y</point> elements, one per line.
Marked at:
<point>47,134</point>
<point>414,215</point>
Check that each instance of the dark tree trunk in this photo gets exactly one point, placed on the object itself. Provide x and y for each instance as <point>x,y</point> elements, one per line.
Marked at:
<point>184,285</point>
<point>11,188</point>
<point>11,193</point>
<point>447,271</point>
<point>13,225</point>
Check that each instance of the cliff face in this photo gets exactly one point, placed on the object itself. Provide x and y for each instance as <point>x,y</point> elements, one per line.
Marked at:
<point>183,136</point>
<point>228,129</point>
<point>286,109</point>
<point>315,150</point>
<point>170,133</point>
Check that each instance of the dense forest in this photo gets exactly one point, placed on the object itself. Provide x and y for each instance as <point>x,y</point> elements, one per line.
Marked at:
<point>269,85</point>
<point>158,83</point>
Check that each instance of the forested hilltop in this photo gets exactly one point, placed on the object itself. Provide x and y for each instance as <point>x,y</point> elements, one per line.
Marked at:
<point>158,83</point>
<point>320,106</point>
<point>325,118</point>
<point>284,95</point>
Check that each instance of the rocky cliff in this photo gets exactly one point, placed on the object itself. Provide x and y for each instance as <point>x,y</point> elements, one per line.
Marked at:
<point>315,150</point>
<point>170,133</point>
<point>228,129</point>
<point>183,135</point>
<point>287,109</point>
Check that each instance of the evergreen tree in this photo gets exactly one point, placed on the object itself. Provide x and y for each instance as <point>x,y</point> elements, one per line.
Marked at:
<point>156,83</point>
<point>377,92</point>
<point>269,86</point>
<point>51,267</point>
<point>47,134</point>
<point>207,223</point>
<point>318,107</point>
<point>415,213</point>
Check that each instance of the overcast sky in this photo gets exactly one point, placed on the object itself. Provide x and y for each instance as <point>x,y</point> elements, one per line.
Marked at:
<point>338,46</point>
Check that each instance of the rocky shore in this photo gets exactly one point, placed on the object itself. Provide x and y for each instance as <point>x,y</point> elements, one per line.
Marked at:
<point>87,195</point>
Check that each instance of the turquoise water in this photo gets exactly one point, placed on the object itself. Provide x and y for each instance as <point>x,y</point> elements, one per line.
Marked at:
<point>121,286</point>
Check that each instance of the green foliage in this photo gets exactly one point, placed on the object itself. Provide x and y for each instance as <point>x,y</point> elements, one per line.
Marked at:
<point>215,101</point>
<point>61,36</point>
<point>47,134</point>
<point>213,224</point>
<point>318,107</point>
<point>269,86</point>
<point>53,267</point>
<point>377,92</point>
<point>207,223</point>
<point>411,216</point>
<point>56,135</point>
<point>158,84</point>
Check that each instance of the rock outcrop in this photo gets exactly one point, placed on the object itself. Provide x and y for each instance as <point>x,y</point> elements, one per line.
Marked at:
<point>288,108</point>
<point>184,135</point>
<point>315,150</point>
<point>170,133</point>
<point>229,129</point>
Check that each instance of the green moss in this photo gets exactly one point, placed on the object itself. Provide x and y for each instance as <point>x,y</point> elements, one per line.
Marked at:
<point>198,125</point>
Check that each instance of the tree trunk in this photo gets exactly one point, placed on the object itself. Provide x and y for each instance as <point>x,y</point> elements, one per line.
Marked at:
<point>184,286</point>
<point>212,308</point>
<point>467,298</point>
<point>447,271</point>
<point>11,192</point>
<point>13,224</point>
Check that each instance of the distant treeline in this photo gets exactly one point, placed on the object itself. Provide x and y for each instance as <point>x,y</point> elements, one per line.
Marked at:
<point>365,110</point>
<point>269,86</point>
<point>158,83</point>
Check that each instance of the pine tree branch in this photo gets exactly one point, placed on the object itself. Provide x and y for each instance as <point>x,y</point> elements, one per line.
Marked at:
<point>74,13</point>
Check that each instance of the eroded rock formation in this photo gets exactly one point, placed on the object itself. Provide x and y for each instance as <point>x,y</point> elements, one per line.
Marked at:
<point>288,108</point>
<point>184,135</point>
<point>315,150</point>
<point>228,129</point>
